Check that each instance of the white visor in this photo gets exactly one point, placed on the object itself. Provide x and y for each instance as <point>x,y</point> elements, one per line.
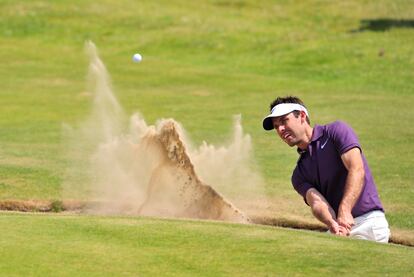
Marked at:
<point>279,110</point>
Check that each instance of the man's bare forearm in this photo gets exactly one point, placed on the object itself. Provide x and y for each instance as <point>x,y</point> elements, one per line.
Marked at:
<point>321,208</point>
<point>352,160</point>
<point>353,187</point>
<point>323,213</point>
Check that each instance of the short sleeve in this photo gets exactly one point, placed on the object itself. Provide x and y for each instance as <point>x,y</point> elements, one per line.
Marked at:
<point>344,137</point>
<point>300,184</point>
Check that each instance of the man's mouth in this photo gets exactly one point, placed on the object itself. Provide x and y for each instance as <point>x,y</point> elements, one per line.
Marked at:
<point>286,135</point>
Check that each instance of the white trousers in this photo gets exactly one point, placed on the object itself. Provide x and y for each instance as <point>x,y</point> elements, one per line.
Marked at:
<point>371,226</point>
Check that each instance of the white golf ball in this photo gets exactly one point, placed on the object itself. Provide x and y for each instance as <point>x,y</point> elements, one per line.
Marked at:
<point>137,58</point>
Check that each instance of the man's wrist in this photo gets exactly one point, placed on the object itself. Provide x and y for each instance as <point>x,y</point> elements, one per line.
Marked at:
<point>344,209</point>
<point>332,224</point>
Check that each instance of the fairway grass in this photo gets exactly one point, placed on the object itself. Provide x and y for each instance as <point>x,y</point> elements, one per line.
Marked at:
<point>203,62</point>
<point>72,245</point>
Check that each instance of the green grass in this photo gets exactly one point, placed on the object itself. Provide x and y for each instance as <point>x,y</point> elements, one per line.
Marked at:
<point>45,245</point>
<point>205,61</point>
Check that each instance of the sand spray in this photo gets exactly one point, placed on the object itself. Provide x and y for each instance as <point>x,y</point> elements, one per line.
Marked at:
<point>125,166</point>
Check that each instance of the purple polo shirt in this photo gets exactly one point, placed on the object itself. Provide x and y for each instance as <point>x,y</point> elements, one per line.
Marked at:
<point>321,167</point>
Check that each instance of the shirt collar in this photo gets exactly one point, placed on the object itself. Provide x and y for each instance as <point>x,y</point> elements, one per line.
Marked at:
<point>316,134</point>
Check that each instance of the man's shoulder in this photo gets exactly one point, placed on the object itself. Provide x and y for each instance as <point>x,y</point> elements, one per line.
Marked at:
<point>336,124</point>
<point>330,129</point>
<point>337,127</point>
<point>342,135</point>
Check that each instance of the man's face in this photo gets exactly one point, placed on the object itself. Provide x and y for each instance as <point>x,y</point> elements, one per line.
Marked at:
<point>289,128</point>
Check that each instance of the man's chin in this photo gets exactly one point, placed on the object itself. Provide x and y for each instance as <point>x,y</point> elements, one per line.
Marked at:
<point>291,143</point>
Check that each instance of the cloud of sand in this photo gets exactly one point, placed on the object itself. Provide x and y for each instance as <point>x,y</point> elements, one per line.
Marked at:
<point>111,162</point>
<point>229,166</point>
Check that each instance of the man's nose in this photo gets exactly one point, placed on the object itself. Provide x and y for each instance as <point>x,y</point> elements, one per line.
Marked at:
<point>280,128</point>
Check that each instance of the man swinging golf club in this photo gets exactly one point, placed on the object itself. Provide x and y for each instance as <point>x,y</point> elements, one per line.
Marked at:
<point>331,174</point>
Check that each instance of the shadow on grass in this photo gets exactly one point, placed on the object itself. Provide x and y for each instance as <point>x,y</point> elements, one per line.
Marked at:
<point>383,24</point>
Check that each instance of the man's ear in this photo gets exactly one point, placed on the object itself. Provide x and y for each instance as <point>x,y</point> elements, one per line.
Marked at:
<point>302,116</point>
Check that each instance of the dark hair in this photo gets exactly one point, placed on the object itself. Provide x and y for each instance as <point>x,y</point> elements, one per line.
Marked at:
<point>289,99</point>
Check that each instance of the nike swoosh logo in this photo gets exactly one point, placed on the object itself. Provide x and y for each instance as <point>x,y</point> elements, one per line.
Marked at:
<point>323,145</point>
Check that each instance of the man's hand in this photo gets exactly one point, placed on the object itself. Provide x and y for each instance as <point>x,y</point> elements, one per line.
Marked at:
<point>338,230</point>
<point>345,219</point>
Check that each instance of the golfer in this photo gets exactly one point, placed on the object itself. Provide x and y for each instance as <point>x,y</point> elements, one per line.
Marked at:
<point>331,174</point>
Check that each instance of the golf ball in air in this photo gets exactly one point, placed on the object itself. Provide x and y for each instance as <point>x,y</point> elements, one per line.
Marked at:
<point>137,58</point>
